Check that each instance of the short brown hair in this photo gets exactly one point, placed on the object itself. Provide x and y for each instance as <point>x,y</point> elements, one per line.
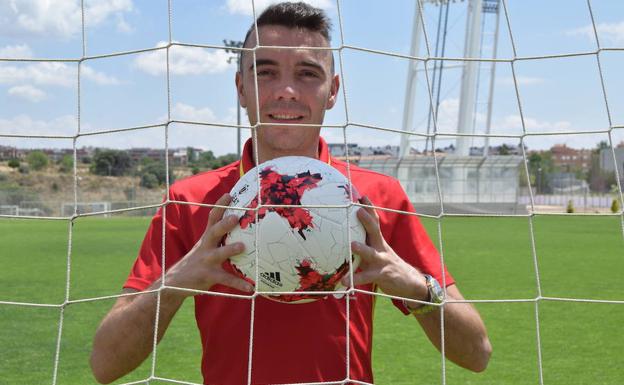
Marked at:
<point>294,15</point>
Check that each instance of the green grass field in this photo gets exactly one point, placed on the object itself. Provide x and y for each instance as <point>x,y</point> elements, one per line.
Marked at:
<point>491,258</point>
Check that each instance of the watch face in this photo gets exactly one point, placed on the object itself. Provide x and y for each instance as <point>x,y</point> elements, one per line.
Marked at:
<point>437,293</point>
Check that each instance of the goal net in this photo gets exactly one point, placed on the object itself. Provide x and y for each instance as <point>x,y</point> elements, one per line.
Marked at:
<point>460,101</point>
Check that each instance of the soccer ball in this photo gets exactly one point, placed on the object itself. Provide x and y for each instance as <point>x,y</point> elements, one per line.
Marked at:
<point>299,248</point>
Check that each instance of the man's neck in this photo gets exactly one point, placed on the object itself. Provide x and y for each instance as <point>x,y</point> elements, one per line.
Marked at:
<point>264,155</point>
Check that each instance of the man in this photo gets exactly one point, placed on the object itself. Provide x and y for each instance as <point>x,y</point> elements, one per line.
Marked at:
<point>291,343</point>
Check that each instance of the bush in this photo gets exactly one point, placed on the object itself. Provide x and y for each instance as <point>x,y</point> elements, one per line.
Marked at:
<point>14,163</point>
<point>615,206</point>
<point>66,164</point>
<point>110,163</point>
<point>23,169</point>
<point>207,161</point>
<point>154,174</point>
<point>149,181</point>
<point>37,160</point>
<point>570,207</point>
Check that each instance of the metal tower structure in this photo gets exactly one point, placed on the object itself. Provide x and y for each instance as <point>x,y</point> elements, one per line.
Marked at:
<point>473,48</point>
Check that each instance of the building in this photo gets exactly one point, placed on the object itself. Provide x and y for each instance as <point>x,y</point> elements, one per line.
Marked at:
<point>7,152</point>
<point>338,150</point>
<point>570,159</point>
<point>606,159</point>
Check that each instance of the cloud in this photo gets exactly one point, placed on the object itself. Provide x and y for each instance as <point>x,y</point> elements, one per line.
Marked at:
<point>184,61</point>
<point>448,113</point>
<point>56,18</point>
<point>21,51</point>
<point>48,73</point>
<point>244,7</point>
<point>44,73</point>
<point>97,12</point>
<point>181,111</point>
<point>27,92</point>
<point>608,33</point>
<point>26,125</point>
<point>123,26</point>
<point>98,77</point>
<point>513,122</point>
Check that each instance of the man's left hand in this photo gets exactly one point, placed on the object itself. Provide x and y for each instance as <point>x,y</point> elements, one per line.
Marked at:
<point>380,265</point>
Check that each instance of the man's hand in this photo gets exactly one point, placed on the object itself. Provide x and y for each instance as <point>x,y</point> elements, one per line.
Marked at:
<point>380,265</point>
<point>201,268</point>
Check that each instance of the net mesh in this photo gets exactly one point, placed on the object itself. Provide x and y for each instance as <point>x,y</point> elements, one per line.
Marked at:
<point>437,134</point>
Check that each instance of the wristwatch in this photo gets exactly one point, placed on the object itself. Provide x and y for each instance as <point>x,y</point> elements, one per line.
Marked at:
<point>436,295</point>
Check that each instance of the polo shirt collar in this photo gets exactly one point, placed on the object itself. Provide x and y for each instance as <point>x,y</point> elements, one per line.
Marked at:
<point>247,160</point>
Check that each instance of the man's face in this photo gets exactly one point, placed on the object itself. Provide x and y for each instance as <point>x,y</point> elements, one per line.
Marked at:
<point>295,86</point>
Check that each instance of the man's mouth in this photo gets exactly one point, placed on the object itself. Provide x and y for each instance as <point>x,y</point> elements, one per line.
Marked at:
<point>286,117</point>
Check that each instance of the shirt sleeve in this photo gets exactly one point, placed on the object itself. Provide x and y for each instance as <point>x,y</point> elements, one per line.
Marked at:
<point>148,266</point>
<point>406,235</point>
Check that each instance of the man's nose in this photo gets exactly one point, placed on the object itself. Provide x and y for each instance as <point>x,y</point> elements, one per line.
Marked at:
<point>286,89</point>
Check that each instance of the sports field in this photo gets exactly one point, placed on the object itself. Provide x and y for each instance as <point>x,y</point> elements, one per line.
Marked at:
<point>491,258</point>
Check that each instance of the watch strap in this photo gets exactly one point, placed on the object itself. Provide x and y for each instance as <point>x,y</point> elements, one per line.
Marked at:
<point>434,297</point>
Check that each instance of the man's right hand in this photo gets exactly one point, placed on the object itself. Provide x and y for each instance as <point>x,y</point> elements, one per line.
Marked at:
<point>202,267</point>
<point>125,336</point>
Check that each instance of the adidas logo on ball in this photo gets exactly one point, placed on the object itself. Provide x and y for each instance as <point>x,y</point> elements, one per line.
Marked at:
<point>273,277</point>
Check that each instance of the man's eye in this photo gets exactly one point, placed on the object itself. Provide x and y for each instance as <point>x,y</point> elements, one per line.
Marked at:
<point>264,72</point>
<point>311,74</point>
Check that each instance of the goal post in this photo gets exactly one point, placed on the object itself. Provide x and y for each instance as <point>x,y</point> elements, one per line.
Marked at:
<point>70,208</point>
<point>12,210</point>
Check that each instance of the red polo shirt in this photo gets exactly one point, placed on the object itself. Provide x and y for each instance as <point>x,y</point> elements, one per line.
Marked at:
<point>292,343</point>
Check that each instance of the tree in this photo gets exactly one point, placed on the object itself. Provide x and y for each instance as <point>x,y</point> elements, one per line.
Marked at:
<point>224,160</point>
<point>111,163</point>
<point>37,160</point>
<point>146,160</point>
<point>14,163</point>
<point>602,145</point>
<point>149,181</point>
<point>540,167</point>
<point>204,160</point>
<point>66,164</point>
<point>191,155</point>
<point>155,174</point>
<point>207,161</point>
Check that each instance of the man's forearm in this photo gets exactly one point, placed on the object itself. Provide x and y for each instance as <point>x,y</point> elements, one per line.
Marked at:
<point>125,337</point>
<point>465,338</point>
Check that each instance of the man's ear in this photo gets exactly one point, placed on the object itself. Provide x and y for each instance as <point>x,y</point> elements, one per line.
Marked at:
<point>240,90</point>
<point>333,92</point>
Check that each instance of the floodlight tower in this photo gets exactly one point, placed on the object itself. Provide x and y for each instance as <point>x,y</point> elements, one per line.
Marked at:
<point>468,94</point>
<point>473,48</point>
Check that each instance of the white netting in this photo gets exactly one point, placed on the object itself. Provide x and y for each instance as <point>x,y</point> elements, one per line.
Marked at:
<point>79,209</point>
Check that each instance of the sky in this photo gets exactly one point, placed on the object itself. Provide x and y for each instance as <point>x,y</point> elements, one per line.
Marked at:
<point>120,89</point>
